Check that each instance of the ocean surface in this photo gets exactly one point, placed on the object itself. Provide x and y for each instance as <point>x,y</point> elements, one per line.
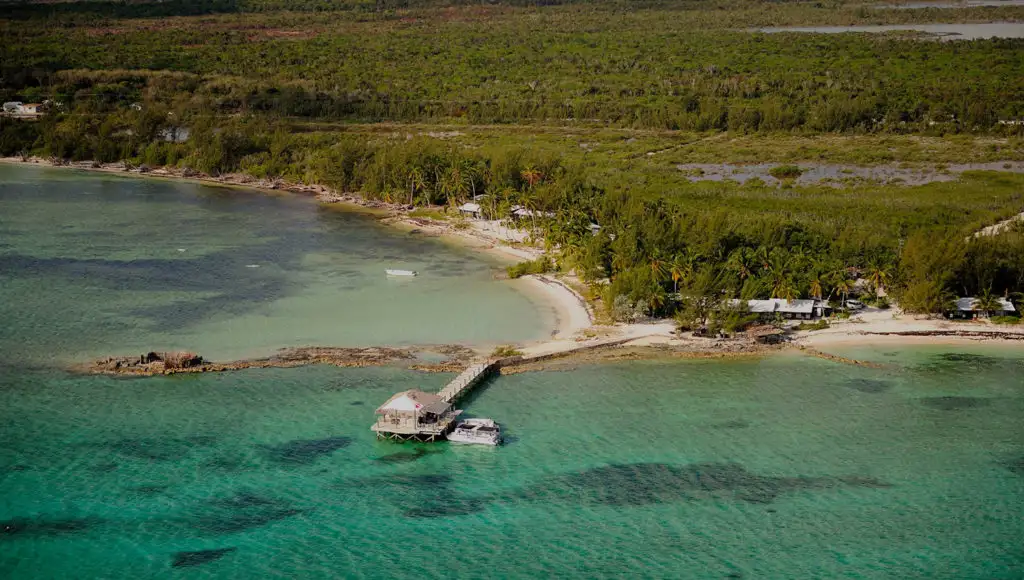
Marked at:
<point>781,466</point>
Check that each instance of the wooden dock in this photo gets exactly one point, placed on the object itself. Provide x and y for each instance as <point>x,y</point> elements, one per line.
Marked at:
<point>423,416</point>
<point>465,382</point>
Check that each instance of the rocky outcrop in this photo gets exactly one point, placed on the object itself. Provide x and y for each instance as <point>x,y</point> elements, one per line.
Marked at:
<point>166,363</point>
<point>150,363</point>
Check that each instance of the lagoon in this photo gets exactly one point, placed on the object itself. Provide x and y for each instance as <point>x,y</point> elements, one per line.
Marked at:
<point>98,264</point>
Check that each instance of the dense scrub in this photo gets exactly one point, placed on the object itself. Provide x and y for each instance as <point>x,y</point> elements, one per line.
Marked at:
<point>676,67</point>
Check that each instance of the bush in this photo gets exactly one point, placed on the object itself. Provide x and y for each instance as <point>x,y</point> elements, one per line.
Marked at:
<point>819,325</point>
<point>1005,319</point>
<point>505,350</point>
<point>785,172</point>
<point>538,266</point>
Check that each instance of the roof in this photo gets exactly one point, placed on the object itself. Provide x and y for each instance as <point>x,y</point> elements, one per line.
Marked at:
<point>473,207</point>
<point>970,304</point>
<point>781,305</point>
<point>520,211</point>
<point>414,401</point>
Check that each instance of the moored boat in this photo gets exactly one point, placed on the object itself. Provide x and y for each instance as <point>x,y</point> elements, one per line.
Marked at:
<point>477,431</point>
<point>400,272</point>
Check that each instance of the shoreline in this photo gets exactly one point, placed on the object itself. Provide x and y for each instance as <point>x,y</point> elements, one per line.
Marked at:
<point>574,325</point>
<point>568,309</point>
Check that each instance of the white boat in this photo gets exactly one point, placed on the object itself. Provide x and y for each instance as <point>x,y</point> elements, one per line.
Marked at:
<point>478,431</point>
<point>401,272</point>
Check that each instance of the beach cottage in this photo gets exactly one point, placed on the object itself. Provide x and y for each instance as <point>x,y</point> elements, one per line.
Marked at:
<point>414,415</point>
<point>471,209</point>
<point>789,309</point>
<point>968,308</point>
<point>30,110</point>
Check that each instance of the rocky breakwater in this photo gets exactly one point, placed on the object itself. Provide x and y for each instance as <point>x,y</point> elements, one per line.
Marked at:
<point>166,363</point>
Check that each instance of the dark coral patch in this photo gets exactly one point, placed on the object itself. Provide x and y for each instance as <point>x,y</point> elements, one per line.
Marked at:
<point>44,527</point>
<point>954,403</point>
<point>305,451</point>
<point>868,385</point>
<point>186,559</point>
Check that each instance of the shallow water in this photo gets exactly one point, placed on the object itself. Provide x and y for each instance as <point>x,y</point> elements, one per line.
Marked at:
<point>97,264</point>
<point>776,468</point>
<point>942,31</point>
<point>781,467</point>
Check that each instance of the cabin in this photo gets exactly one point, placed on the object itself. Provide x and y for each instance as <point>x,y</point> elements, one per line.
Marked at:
<point>521,213</point>
<point>471,209</point>
<point>967,309</point>
<point>30,109</point>
<point>789,309</point>
<point>414,415</point>
<point>11,107</point>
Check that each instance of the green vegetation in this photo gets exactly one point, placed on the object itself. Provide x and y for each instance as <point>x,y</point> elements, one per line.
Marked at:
<point>785,172</point>
<point>505,351</point>
<point>538,266</point>
<point>579,111</point>
<point>1005,319</point>
<point>811,326</point>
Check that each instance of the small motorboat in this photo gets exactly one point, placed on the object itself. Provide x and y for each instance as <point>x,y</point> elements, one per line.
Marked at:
<point>478,431</point>
<point>400,272</point>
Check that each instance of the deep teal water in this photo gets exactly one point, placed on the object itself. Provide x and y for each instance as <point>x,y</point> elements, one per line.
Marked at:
<point>780,467</point>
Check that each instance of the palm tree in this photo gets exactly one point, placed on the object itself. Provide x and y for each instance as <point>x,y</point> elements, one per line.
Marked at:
<point>742,261</point>
<point>844,286</point>
<point>987,302</point>
<point>878,277</point>
<point>680,269</point>
<point>657,266</point>
<point>416,182</point>
<point>531,175</point>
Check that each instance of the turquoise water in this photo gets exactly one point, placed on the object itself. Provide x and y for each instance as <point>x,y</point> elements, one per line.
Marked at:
<point>779,467</point>
<point>94,265</point>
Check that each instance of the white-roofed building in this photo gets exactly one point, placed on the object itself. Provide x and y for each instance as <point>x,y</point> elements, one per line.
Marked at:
<point>471,209</point>
<point>414,414</point>
<point>968,307</point>
<point>804,309</point>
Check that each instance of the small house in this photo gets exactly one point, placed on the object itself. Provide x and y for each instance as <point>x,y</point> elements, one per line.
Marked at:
<point>12,107</point>
<point>414,415</point>
<point>470,209</point>
<point>790,309</point>
<point>30,109</point>
<point>967,308</point>
<point>520,212</point>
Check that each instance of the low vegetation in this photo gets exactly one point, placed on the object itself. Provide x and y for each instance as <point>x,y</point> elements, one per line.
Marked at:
<point>811,326</point>
<point>538,266</point>
<point>505,351</point>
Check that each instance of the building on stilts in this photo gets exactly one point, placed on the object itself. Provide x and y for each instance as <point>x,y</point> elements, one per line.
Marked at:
<point>415,415</point>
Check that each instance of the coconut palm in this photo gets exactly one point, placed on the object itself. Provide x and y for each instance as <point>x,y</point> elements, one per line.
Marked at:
<point>877,276</point>
<point>681,269</point>
<point>416,182</point>
<point>531,175</point>
<point>843,285</point>
<point>987,302</point>
<point>742,262</point>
